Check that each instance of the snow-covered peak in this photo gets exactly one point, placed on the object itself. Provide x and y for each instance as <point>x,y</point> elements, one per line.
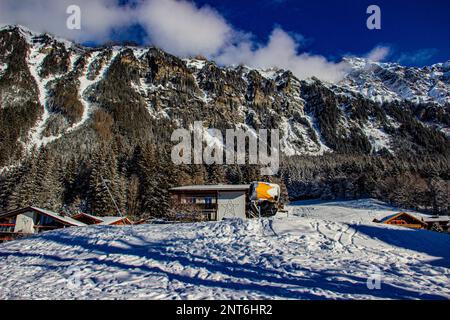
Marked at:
<point>196,64</point>
<point>20,28</point>
<point>36,38</point>
<point>380,81</point>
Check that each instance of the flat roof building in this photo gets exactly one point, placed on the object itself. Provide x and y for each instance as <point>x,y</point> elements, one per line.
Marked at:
<point>212,202</point>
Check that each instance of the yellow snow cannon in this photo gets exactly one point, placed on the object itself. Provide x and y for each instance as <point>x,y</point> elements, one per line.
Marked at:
<point>264,199</point>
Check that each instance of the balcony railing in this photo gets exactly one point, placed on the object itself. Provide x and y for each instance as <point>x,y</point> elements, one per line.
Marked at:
<point>196,213</point>
<point>7,227</point>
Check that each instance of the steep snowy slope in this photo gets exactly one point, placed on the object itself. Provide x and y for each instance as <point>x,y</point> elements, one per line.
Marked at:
<point>320,251</point>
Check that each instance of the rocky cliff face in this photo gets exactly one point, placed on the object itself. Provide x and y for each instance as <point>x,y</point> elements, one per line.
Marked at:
<point>58,91</point>
<point>75,100</point>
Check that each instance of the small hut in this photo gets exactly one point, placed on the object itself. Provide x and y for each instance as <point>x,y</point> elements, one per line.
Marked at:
<point>102,221</point>
<point>404,219</point>
<point>438,223</point>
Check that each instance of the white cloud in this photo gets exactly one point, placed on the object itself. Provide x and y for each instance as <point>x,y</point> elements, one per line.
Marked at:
<point>98,17</point>
<point>182,28</point>
<point>378,53</point>
<point>282,51</point>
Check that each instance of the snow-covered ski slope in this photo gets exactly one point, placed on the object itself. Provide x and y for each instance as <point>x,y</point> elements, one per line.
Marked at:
<point>318,251</point>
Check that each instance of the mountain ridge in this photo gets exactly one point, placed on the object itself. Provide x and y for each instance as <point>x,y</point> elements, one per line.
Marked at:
<point>357,81</point>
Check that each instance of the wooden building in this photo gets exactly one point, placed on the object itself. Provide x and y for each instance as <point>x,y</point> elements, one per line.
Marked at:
<point>438,223</point>
<point>31,220</point>
<point>404,219</point>
<point>211,202</point>
<point>89,219</point>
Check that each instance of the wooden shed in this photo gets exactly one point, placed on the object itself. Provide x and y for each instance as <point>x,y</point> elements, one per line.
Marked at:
<point>405,220</point>
<point>438,223</point>
<point>97,220</point>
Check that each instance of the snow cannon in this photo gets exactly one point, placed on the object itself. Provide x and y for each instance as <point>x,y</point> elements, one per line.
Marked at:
<point>264,199</point>
<point>263,191</point>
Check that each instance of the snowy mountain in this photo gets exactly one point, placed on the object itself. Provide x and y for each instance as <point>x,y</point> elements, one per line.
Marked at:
<point>385,82</point>
<point>99,111</point>
<point>69,83</point>
<point>321,251</point>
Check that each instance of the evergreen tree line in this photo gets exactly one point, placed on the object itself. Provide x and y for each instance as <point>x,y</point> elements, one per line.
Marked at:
<point>420,183</point>
<point>140,180</point>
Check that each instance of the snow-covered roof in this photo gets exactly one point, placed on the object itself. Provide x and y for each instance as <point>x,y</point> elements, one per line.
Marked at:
<point>106,220</point>
<point>57,216</point>
<point>437,219</point>
<point>109,220</point>
<point>215,187</point>
<point>65,219</point>
<point>54,215</point>
<point>76,216</point>
<point>389,217</point>
<point>392,216</point>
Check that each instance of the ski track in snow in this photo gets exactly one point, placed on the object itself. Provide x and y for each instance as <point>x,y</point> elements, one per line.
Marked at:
<point>317,251</point>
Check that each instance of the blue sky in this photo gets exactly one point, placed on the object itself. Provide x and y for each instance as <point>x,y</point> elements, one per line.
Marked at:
<point>309,38</point>
<point>417,32</point>
<point>333,28</point>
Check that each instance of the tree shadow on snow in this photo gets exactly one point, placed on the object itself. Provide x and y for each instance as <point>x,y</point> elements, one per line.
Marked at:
<point>363,203</point>
<point>429,242</point>
<point>248,277</point>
